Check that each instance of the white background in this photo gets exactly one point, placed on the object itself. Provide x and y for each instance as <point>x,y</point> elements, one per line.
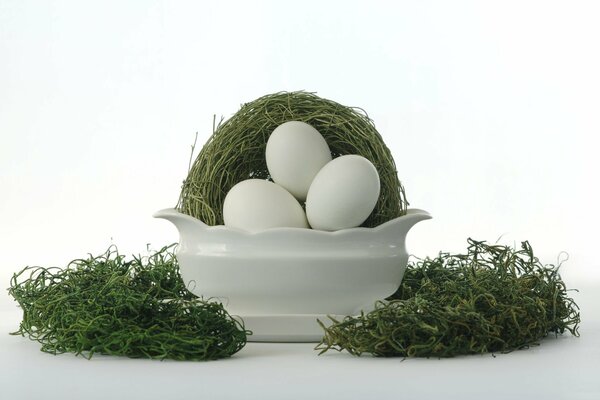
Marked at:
<point>490,110</point>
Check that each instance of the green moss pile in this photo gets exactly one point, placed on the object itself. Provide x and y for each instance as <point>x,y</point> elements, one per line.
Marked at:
<point>137,308</point>
<point>492,299</point>
<point>236,151</point>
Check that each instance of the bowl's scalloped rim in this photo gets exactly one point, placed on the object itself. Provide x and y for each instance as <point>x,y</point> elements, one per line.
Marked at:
<point>411,212</point>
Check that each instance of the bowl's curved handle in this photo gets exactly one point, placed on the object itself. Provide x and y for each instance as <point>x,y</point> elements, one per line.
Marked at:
<point>187,226</point>
<point>399,227</point>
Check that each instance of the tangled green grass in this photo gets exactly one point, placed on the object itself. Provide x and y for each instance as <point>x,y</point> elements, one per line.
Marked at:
<point>236,151</point>
<point>492,299</point>
<point>137,308</point>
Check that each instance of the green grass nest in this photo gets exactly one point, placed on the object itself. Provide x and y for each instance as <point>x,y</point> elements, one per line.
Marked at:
<point>236,151</point>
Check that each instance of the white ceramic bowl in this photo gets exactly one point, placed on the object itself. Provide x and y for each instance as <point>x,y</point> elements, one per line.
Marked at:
<point>292,274</point>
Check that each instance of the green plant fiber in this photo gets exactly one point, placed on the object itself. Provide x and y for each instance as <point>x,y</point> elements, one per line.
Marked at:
<point>236,151</point>
<point>137,308</point>
<point>494,298</point>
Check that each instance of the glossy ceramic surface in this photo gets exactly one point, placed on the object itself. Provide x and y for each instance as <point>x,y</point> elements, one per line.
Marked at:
<point>285,273</point>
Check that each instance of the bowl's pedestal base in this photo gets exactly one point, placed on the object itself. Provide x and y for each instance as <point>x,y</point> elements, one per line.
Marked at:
<point>286,327</point>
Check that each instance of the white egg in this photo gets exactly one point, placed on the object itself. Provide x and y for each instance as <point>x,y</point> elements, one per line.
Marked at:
<point>256,204</point>
<point>295,153</point>
<point>343,194</point>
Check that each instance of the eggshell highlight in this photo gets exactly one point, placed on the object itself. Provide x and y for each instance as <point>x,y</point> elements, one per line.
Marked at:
<point>295,153</point>
<point>343,194</point>
<point>255,204</point>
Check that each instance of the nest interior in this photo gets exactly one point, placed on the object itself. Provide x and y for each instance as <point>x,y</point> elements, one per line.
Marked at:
<point>236,151</point>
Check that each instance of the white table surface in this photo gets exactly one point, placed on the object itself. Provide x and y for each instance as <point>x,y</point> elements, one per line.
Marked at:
<point>560,368</point>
